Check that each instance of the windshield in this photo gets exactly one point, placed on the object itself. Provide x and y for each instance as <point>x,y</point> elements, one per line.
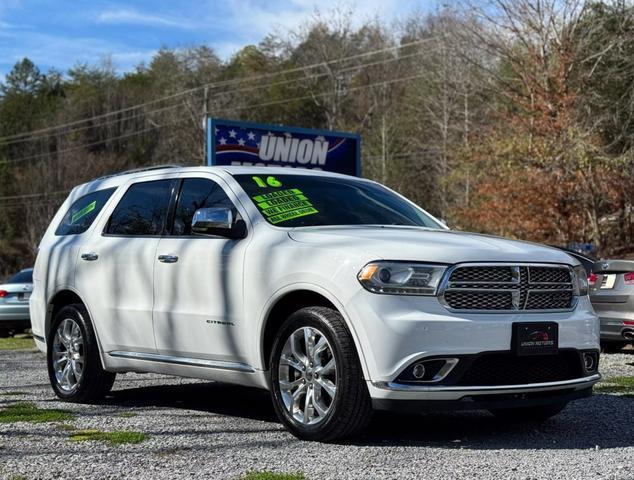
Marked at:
<point>308,200</point>
<point>25,276</point>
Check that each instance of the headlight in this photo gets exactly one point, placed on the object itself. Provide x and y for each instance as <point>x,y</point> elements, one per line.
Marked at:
<point>582,281</point>
<point>401,278</point>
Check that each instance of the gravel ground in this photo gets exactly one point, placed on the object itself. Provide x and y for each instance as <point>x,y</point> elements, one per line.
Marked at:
<point>208,430</point>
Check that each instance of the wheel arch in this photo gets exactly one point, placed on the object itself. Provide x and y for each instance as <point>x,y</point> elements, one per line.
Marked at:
<point>291,299</point>
<point>67,296</point>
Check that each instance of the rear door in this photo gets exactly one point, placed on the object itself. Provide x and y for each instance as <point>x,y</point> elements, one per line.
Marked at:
<point>198,292</point>
<point>116,265</point>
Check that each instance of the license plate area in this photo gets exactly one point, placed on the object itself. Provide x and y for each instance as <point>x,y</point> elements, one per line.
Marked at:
<point>535,338</point>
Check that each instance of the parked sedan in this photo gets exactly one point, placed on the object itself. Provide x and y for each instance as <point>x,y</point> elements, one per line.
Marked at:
<point>612,296</point>
<point>14,302</point>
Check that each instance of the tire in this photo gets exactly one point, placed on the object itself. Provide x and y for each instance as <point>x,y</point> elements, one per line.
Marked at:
<point>612,347</point>
<point>529,414</point>
<point>350,409</point>
<point>86,381</point>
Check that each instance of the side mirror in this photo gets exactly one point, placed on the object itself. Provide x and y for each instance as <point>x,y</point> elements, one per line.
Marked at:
<point>217,221</point>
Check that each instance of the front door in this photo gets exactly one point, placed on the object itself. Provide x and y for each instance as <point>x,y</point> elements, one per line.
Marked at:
<point>198,281</point>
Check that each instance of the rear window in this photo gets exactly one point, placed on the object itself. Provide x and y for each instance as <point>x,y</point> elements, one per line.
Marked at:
<point>25,276</point>
<point>83,212</point>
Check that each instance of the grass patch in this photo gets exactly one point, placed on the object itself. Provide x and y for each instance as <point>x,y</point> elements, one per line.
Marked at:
<point>17,343</point>
<point>66,427</point>
<point>17,477</point>
<point>127,414</point>
<point>28,412</point>
<point>273,476</point>
<point>619,385</point>
<point>12,394</point>
<point>113,438</point>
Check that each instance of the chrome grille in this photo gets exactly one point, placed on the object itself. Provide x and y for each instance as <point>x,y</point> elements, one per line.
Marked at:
<point>504,287</point>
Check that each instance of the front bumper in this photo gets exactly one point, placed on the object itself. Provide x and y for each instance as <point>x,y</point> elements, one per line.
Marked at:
<point>394,331</point>
<point>407,398</point>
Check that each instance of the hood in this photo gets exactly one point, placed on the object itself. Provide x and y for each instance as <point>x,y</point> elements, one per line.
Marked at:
<point>427,245</point>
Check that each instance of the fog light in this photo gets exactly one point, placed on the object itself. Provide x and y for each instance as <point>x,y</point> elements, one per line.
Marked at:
<point>418,371</point>
<point>589,361</point>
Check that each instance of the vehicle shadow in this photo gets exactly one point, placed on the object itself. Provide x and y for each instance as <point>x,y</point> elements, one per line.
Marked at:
<point>587,424</point>
<point>210,397</point>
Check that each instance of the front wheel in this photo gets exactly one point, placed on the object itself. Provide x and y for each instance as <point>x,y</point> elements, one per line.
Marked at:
<point>74,366</point>
<point>317,384</point>
<point>529,414</point>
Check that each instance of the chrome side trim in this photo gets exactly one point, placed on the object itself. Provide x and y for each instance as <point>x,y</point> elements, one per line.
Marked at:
<point>191,362</point>
<point>400,387</point>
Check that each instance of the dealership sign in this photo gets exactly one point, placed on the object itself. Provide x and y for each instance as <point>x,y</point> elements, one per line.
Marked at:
<point>250,144</point>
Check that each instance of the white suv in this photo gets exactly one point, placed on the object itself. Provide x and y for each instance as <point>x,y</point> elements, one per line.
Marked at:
<point>335,293</point>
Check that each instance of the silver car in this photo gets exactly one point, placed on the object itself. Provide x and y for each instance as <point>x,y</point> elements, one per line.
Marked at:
<point>14,302</point>
<point>612,296</point>
<point>611,285</point>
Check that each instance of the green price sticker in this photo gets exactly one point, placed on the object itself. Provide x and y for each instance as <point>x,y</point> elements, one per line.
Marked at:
<point>83,212</point>
<point>283,205</point>
<point>270,182</point>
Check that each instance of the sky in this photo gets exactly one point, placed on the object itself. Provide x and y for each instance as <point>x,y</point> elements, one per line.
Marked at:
<point>62,33</point>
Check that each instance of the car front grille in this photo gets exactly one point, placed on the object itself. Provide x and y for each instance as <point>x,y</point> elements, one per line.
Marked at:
<point>509,288</point>
<point>507,369</point>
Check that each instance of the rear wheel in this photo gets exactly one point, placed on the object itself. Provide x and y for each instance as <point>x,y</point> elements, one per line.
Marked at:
<point>529,414</point>
<point>317,384</point>
<point>74,366</point>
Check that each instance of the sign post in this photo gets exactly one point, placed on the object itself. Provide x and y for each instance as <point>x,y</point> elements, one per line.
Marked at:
<point>252,144</point>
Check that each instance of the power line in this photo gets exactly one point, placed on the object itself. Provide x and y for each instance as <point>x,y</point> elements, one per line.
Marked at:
<point>219,94</point>
<point>214,85</point>
<point>34,195</point>
<point>260,105</point>
<point>92,144</point>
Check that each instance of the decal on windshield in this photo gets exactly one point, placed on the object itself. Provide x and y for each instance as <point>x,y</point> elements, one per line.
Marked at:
<point>83,212</point>
<point>283,205</point>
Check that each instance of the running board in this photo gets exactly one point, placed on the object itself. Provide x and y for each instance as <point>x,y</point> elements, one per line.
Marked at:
<point>191,362</point>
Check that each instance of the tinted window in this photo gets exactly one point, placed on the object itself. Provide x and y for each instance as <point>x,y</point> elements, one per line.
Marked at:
<point>197,193</point>
<point>83,212</point>
<point>298,200</point>
<point>142,210</point>
<point>25,276</point>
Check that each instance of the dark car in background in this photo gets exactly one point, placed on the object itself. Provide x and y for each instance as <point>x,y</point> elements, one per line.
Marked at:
<point>14,303</point>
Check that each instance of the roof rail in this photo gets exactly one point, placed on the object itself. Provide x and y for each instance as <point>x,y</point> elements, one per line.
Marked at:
<point>141,169</point>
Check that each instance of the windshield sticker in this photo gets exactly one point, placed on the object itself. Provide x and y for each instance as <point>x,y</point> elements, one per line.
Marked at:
<point>270,181</point>
<point>83,212</point>
<point>284,205</point>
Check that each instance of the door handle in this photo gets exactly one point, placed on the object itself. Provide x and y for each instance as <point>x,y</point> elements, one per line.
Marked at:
<point>90,256</point>
<point>168,258</point>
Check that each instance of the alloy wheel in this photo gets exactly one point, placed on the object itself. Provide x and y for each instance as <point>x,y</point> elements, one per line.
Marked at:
<point>68,355</point>
<point>308,376</point>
